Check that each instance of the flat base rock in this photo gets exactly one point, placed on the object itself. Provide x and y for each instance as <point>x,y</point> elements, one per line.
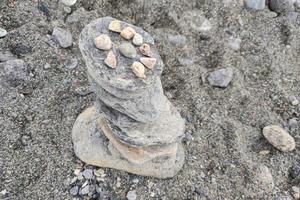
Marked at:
<point>92,147</point>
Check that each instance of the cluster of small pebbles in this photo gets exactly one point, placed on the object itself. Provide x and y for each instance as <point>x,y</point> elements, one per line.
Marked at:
<point>128,50</point>
<point>87,182</point>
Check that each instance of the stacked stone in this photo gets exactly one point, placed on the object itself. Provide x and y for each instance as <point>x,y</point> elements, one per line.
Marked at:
<point>132,127</point>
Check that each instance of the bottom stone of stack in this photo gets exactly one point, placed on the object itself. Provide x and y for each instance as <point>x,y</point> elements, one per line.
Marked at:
<point>92,147</point>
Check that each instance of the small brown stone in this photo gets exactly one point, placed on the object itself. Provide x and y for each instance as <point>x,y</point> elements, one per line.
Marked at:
<point>103,42</point>
<point>115,26</point>
<point>148,62</point>
<point>128,33</point>
<point>111,60</point>
<point>146,50</point>
<point>138,69</point>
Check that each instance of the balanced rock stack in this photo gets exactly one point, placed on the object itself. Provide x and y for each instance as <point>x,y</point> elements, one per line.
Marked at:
<point>132,126</point>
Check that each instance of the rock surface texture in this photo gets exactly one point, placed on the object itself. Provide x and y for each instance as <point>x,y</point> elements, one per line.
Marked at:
<point>132,126</point>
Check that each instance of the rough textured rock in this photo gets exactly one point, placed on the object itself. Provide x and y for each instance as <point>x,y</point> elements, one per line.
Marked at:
<point>141,125</point>
<point>263,178</point>
<point>100,152</point>
<point>63,37</point>
<point>6,55</point>
<point>221,77</point>
<point>13,72</point>
<point>279,138</point>
<point>297,3</point>
<point>255,4</point>
<point>282,6</point>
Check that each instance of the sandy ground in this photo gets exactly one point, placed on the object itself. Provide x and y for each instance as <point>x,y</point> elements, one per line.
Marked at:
<point>224,126</point>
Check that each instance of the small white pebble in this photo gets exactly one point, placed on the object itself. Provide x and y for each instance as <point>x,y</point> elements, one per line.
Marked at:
<point>295,102</point>
<point>3,32</point>
<point>69,2</point>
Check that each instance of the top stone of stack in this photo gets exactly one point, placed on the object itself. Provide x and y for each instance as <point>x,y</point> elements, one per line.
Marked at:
<point>121,77</point>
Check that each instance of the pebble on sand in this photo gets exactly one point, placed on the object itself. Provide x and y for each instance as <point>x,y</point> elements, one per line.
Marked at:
<point>148,62</point>
<point>138,69</point>
<point>63,37</point>
<point>279,138</point>
<point>146,50</point>
<point>127,50</point>
<point>128,33</point>
<point>69,2</point>
<point>137,39</point>
<point>88,174</point>
<point>3,32</point>
<point>74,190</point>
<point>234,43</point>
<point>221,77</point>
<point>115,26</point>
<point>103,42</point>
<point>255,4</point>
<point>131,195</point>
<point>111,60</point>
